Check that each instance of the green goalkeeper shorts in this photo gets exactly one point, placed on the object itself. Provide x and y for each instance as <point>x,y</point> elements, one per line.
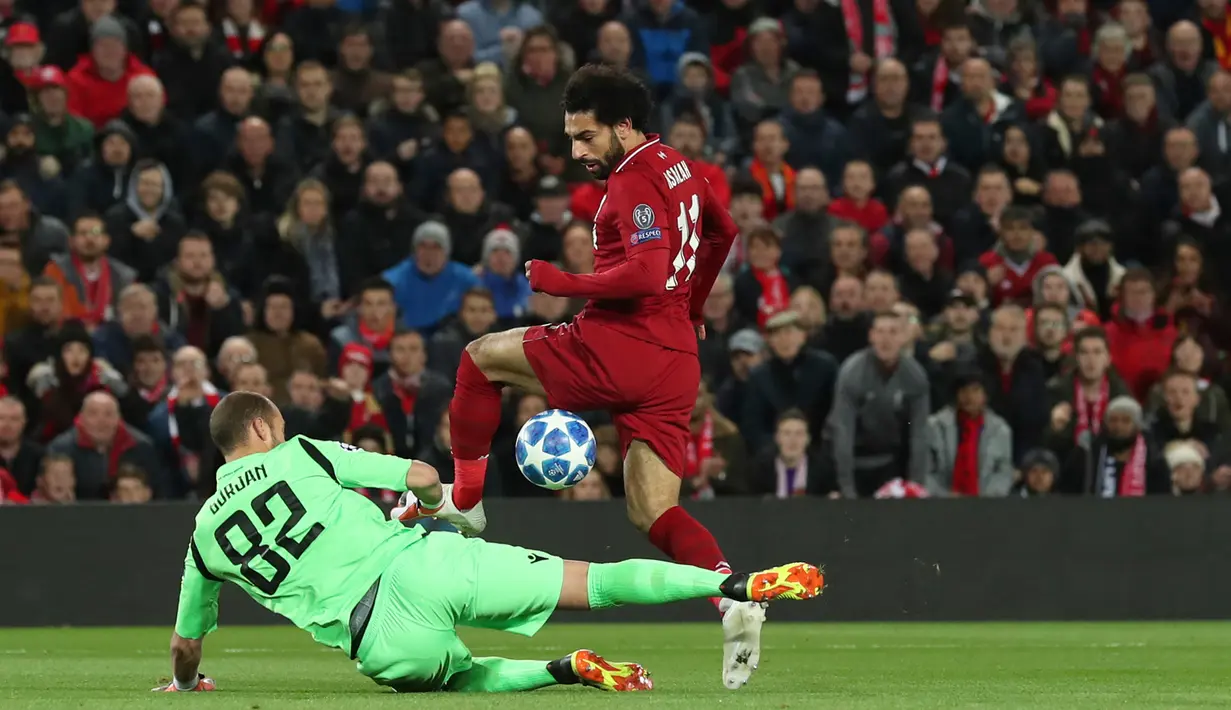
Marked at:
<point>444,581</point>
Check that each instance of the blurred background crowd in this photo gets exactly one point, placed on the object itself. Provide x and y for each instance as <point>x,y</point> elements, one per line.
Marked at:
<point>979,254</point>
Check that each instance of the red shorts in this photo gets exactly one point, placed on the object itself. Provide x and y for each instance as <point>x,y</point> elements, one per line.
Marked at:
<point>649,390</point>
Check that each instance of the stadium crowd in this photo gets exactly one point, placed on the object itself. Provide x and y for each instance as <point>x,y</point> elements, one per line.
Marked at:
<point>979,256</point>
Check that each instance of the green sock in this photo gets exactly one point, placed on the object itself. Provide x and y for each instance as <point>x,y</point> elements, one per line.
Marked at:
<point>649,582</point>
<point>501,675</point>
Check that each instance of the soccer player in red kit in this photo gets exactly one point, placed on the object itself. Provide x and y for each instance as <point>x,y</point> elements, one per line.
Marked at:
<point>660,239</point>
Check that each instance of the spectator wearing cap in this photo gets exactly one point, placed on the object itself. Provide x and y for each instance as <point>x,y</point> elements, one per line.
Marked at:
<point>456,150</point>
<point>147,226</point>
<point>815,138</point>
<point>954,345</point>
<point>24,55</point>
<point>475,318</point>
<point>763,288</point>
<point>498,25</point>
<point>427,286</point>
<point>98,82</point>
<point>695,95</point>
<point>57,133</point>
<point>136,318</point>
<point>794,376</point>
<point>1016,259</point>
<point>1121,461</point>
<point>376,231</point>
<point>102,180</point>
<point>745,352</point>
<point>470,215</point>
<point>879,423</point>
<point>38,176</point>
<point>721,322</point>
<point>551,218</point>
<point>98,442</point>
<point>282,345</point>
<point>503,276</point>
<point>1140,333</point>
<point>1015,376</point>
<point>1040,472</point>
<point>303,136</point>
<point>1187,467</point>
<point>972,447</point>
<point>759,87</point>
<point>71,34</point>
<point>1093,269</point>
<point>357,84</point>
<point>412,396</point>
<point>355,369</point>
<point>191,63</point>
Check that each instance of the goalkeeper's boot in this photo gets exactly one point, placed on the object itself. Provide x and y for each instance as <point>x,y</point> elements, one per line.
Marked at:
<point>590,669</point>
<point>204,685</point>
<point>797,580</point>
<point>469,523</point>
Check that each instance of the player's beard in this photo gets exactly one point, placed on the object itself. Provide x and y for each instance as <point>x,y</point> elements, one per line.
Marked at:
<point>613,156</point>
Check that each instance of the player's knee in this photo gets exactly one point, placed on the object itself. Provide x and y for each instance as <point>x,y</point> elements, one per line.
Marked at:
<point>644,510</point>
<point>484,351</point>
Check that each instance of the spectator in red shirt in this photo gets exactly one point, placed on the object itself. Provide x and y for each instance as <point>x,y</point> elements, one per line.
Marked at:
<point>856,203</point>
<point>1026,80</point>
<point>1140,333</point>
<point>98,84</point>
<point>1016,259</point>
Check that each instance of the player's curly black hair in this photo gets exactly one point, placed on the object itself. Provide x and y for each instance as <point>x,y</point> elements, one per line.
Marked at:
<point>611,94</point>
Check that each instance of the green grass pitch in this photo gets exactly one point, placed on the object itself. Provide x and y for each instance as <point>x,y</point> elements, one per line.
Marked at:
<point>1138,665</point>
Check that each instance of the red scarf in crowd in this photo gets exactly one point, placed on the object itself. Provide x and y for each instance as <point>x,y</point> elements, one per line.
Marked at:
<point>8,489</point>
<point>882,43</point>
<point>775,294</point>
<point>122,442</point>
<point>239,45</point>
<point>700,446</point>
<point>377,340</point>
<point>97,293</point>
<point>1133,482</point>
<point>212,398</point>
<point>406,389</point>
<point>966,464</point>
<point>156,392</point>
<point>940,82</point>
<point>1111,91</point>
<point>365,411</point>
<point>1220,32</point>
<point>774,205</point>
<point>1088,419</point>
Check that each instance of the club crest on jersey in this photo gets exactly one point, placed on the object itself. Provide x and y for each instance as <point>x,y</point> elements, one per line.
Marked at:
<point>643,217</point>
<point>645,235</point>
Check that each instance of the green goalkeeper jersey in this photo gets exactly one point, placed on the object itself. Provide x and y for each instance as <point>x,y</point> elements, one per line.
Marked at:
<point>283,526</point>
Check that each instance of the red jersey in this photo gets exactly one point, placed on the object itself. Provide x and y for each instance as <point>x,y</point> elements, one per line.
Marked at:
<point>660,239</point>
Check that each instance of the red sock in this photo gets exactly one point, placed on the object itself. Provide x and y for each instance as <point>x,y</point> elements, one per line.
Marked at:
<point>474,416</point>
<point>686,541</point>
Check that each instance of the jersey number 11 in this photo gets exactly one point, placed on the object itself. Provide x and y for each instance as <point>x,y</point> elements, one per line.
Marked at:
<point>686,259</point>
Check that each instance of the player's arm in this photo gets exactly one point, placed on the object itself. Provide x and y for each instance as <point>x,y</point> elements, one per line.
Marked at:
<point>646,249</point>
<point>718,233</point>
<point>352,467</point>
<point>197,616</point>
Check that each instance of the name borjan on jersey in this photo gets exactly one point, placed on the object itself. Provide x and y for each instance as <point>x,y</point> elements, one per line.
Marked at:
<point>241,482</point>
<point>677,174</point>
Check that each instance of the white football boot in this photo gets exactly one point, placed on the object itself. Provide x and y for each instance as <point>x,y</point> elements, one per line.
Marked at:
<point>469,523</point>
<point>741,642</point>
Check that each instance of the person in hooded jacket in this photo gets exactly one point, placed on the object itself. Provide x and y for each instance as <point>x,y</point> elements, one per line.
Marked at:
<point>102,180</point>
<point>696,93</point>
<point>1052,286</point>
<point>60,384</point>
<point>146,228</point>
<point>282,346</point>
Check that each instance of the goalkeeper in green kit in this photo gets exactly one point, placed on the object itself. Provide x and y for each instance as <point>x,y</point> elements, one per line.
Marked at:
<point>285,528</point>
